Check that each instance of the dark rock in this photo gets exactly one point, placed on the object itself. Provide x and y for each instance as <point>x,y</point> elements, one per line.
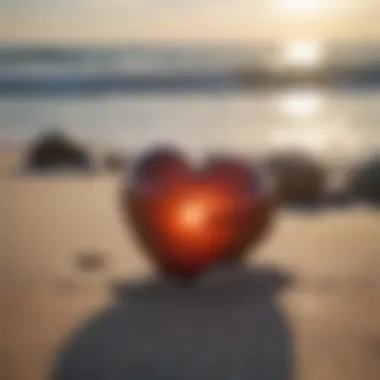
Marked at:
<point>338,198</point>
<point>365,181</point>
<point>298,178</point>
<point>54,151</point>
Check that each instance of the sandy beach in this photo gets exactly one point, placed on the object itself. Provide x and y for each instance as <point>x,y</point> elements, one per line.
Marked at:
<point>46,223</point>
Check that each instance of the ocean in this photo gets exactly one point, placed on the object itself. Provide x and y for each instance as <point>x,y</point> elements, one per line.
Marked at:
<point>131,97</point>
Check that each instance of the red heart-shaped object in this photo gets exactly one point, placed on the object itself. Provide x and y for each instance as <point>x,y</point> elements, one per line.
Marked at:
<point>189,219</point>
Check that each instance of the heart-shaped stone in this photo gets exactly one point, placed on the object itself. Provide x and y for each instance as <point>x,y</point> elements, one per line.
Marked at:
<point>191,218</point>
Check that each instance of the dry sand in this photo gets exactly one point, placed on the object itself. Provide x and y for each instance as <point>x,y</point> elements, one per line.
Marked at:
<point>333,306</point>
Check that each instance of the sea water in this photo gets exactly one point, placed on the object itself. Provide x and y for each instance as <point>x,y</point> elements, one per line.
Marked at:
<point>215,115</point>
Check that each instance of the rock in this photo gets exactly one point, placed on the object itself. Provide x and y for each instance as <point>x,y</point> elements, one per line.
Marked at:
<point>54,151</point>
<point>298,178</point>
<point>337,198</point>
<point>365,181</point>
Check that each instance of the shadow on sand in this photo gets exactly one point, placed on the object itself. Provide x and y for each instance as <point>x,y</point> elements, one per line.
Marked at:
<point>227,325</point>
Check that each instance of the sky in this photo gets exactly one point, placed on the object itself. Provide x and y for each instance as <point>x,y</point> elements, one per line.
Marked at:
<point>97,21</point>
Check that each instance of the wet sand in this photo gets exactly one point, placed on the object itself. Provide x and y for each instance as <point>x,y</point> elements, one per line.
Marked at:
<point>45,223</point>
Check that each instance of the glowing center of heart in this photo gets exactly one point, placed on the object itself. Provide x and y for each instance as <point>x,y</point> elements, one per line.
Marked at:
<point>192,215</point>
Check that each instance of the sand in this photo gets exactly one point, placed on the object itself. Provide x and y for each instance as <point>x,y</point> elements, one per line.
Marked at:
<point>45,223</point>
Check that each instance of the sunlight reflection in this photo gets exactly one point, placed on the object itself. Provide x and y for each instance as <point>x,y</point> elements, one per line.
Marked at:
<point>302,54</point>
<point>301,103</point>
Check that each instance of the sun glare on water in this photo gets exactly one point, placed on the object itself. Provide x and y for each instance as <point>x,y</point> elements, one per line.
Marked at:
<point>301,103</point>
<point>302,55</point>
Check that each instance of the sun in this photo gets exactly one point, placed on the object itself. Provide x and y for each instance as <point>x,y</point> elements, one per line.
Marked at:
<point>296,6</point>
